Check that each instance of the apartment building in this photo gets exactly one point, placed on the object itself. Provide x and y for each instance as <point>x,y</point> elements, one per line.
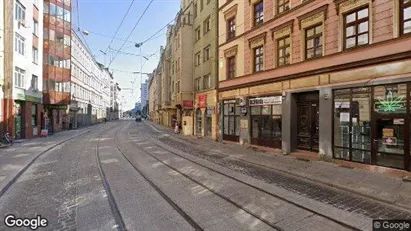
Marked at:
<point>331,78</point>
<point>205,70</point>
<point>23,36</point>
<point>56,66</point>
<point>90,86</point>
<point>2,27</point>
<point>144,94</point>
<point>152,96</point>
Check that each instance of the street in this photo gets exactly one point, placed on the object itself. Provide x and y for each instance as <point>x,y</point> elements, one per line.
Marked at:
<point>124,175</point>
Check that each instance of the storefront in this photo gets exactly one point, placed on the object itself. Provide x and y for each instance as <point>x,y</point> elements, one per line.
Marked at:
<point>19,119</point>
<point>199,122</point>
<point>231,120</point>
<point>372,125</point>
<point>266,121</point>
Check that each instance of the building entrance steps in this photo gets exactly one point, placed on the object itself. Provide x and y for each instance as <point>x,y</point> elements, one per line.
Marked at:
<point>15,159</point>
<point>383,184</point>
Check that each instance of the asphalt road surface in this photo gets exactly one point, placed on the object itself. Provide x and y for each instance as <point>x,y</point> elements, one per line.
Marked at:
<point>131,176</point>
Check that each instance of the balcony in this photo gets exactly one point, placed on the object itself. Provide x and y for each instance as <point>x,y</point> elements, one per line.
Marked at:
<point>57,73</point>
<point>57,98</point>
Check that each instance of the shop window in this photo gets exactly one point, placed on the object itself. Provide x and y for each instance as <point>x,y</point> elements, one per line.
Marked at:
<point>198,84</point>
<point>231,126</point>
<point>266,125</point>
<point>283,51</point>
<point>356,28</point>
<point>352,124</point>
<point>313,42</point>
<point>405,16</point>
<point>259,13</point>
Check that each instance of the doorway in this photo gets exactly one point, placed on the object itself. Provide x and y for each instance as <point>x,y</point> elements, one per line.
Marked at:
<point>308,121</point>
<point>199,120</point>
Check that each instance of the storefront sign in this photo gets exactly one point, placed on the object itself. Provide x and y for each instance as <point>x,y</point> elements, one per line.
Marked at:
<point>390,103</point>
<point>387,132</point>
<point>33,99</point>
<point>389,141</point>
<point>398,121</point>
<point>57,107</point>
<point>20,96</point>
<point>342,104</point>
<point>344,117</point>
<point>266,101</point>
<point>202,101</point>
<point>187,103</point>
<point>230,101</point>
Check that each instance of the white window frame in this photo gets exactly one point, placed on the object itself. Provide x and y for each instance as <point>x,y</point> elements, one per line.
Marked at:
<point>19,77</point>
<point>35,55</point>
<point>20,13</point>
<point>19,44</point>
<point>35,27</point>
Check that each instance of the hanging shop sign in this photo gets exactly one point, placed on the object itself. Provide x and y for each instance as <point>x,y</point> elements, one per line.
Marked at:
<point>187,103</point>
<point>202,101</point>
<point>57,107</point>
<point>266,101</point>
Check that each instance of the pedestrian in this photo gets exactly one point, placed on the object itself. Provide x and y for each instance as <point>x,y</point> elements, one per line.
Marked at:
<point>177,128</point>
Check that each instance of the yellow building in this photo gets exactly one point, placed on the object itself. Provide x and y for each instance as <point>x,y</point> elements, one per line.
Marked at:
<point>205,66</point>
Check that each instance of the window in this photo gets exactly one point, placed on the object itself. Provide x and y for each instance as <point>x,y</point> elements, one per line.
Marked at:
<point>259,59</point>
<point>195,10</point>
<point>173,69</point>
<point>198,58</point>
<point>19,42</point>
<point>35,27</point>
<point>198,84</point>
<point>178,86</point>
<point>198,33</point>
<point>34,115</point>
<point>206,53</point>
<point>34,83</point>
<point>231,67</point>
<point>201,5</point>
<point>206,26</point>
<point>356,28</point>
<point>208,1</point>
<point>35,55</point>
<point>282,5</point>
<point>313,42</point>
<point>178,63</point>
<point>405,16</point>
<point>206,82</point>
<point>258,13</point>
<point>20,13</point>
<point>19,77</point>
<point>230,28</point>
<point>283,51</point>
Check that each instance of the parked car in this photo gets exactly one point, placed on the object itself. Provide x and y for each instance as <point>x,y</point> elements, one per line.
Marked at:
<point>138,118</point>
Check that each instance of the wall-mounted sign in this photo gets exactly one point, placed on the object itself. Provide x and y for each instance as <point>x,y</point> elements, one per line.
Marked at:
<point>266,101</point>
<point>202,101</point>
<point>187,103</point>
<point>391,103</point>
<point>230,101</point>
<point>398,121</point>
<point>57,107</point>
<point>342,104</point>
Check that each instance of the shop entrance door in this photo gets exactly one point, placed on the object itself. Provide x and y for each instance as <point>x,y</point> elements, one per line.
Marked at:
<point>308,122</point>
<point>390,141</point>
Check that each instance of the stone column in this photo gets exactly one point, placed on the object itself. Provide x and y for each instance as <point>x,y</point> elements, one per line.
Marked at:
<point>289,123</point>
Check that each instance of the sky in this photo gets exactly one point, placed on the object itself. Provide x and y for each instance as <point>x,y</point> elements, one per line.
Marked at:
<point>101,19</point>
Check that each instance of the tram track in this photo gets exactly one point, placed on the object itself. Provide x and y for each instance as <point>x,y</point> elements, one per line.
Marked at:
<point>238,181</point>
<point>226,198</point>
<point>113,205</point>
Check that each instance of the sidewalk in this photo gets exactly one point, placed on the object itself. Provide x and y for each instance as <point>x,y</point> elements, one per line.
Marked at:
<point>17,158</point>
<point>383,187</point>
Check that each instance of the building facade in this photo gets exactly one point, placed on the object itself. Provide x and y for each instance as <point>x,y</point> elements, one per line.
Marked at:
<point>144,93</point>
<point>23,70</point>
<point>2,27</point>
<point>332,78</point>
<point>205,67</point>
<point>56,67</point>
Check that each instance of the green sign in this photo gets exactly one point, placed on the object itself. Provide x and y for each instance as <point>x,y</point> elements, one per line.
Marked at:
<point>33,99</point>
<point>57,107</point>
<point>391,103</point>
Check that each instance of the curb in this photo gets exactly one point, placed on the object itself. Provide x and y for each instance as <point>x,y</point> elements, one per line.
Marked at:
<point>391,203</point>
<point>17,176</point>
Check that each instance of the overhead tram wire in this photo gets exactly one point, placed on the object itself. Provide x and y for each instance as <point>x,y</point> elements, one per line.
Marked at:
<point>121,23</point>
<point>131,32</point>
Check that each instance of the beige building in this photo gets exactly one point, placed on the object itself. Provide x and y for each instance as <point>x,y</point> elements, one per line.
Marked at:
<point>205,66</point>
<point>152,97</point>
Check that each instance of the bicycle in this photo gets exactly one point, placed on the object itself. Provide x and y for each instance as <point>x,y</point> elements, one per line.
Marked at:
<point>6,139</point>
